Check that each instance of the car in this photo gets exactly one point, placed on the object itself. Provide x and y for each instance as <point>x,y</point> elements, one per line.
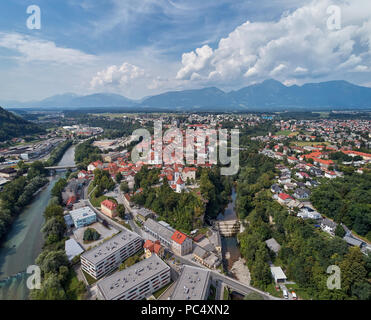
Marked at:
<point>285,294</point>
<point>294,297</point>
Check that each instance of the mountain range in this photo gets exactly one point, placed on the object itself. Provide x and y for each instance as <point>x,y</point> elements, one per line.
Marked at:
<point>270,95</point>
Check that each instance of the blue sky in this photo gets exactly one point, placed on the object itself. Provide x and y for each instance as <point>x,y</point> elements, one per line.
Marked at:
<point>139,48</point>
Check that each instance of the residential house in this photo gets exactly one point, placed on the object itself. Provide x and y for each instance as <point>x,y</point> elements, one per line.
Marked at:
<point>301,193</point>
<point>108,207</point>
<point>151,247</point>
<point>328,226</point>
<point>181,243</point>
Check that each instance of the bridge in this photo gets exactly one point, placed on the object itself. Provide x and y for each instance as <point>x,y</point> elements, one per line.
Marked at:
<point>61,167</point>
<point>228,228</point>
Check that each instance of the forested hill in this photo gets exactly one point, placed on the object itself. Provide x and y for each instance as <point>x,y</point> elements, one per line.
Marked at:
<point>12,126</point>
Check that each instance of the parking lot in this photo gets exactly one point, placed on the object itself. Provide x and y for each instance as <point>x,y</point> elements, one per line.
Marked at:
<point>104,232</point>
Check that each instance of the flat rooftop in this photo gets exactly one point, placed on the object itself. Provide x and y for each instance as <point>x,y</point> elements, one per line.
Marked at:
<point>192,284</point>
<point>81,213</point>
<point>159,229</point>
<point>110,246</point>
<point>114,285</point>
<point>278,273</point>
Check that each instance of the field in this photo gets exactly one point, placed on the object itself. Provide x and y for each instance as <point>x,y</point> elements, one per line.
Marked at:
<point>286,133</point>
<point>308,143</point>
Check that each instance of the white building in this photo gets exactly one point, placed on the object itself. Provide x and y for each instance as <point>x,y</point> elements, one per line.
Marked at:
<point>136,282</point>
<point>110,254</point>
<point>193,284</point>
<point>278,275</point>
<point>83,217</point>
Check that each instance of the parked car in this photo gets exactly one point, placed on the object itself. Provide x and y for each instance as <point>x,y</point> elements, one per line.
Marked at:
<point>285,294</point>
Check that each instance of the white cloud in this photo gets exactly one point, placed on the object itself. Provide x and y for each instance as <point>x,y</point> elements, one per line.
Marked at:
<point>117,76</point>
<point>301,70</point>
<point>361,68</point>
<point>278,69</point>
<point>194,62</point>
<point>297,46</point>
<point>29,49</point>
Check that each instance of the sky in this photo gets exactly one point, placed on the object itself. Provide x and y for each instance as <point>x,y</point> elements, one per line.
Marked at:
<point>139,48</point>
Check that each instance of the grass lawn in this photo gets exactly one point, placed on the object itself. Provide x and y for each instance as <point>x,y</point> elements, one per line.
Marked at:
<point>75,289</point>
<point>272,290</point>
<point>254,296</point>
<point>286,133</point>
<point>226,294</point>
<point>89,278</point>
<point>123,223</point>
<point>97,201</point>
<point>308,143</point>
<point>301,293</point>
<point>159,292</point>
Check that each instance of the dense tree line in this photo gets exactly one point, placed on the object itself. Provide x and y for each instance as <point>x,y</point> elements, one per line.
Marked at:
<point>59,281</point>
<point>113,127</point>
<point>58,189</point>
<point>305,253</point>
<point>86,153</point>
<point>12,126</point>
<point>102,181</point>
<point>15,196</point>
<point>346,200</point>
<point>57,154</point>
<point>183,211</point>
<point>215,190</point>
<point>256,173</point>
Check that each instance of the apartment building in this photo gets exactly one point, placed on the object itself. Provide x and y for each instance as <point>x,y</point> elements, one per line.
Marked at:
<point>83,217</point>
<point>106,257</point>
<point>136,282</point>
<point>193,284</point>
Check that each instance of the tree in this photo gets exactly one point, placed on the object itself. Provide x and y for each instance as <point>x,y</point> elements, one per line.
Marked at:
<point>53,211</point>
<point>54,229</point>
<point>36,169</point>
<point>352,269</point>
<point>124,187</point>
<point>339,231</point>
<point>118,177</point>
<point>51,261</point>
<point>121,210</point>
<point>90,234</point>
<point>51,289</point>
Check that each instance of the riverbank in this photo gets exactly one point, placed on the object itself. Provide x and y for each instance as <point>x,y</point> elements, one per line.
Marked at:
<point>24,241</point>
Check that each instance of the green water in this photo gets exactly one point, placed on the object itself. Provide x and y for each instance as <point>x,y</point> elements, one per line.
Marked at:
<point>24,241</point>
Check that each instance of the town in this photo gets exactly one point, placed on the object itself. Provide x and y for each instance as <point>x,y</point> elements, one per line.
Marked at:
<point>181,230</point>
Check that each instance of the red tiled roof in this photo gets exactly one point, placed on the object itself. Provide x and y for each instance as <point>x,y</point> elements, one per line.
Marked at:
<point>109,204</point>
<point>284,196</point>
<point>178,237</point>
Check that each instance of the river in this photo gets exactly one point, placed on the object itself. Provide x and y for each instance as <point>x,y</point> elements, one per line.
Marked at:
<point>24,241</point>
<point>230,248</point>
